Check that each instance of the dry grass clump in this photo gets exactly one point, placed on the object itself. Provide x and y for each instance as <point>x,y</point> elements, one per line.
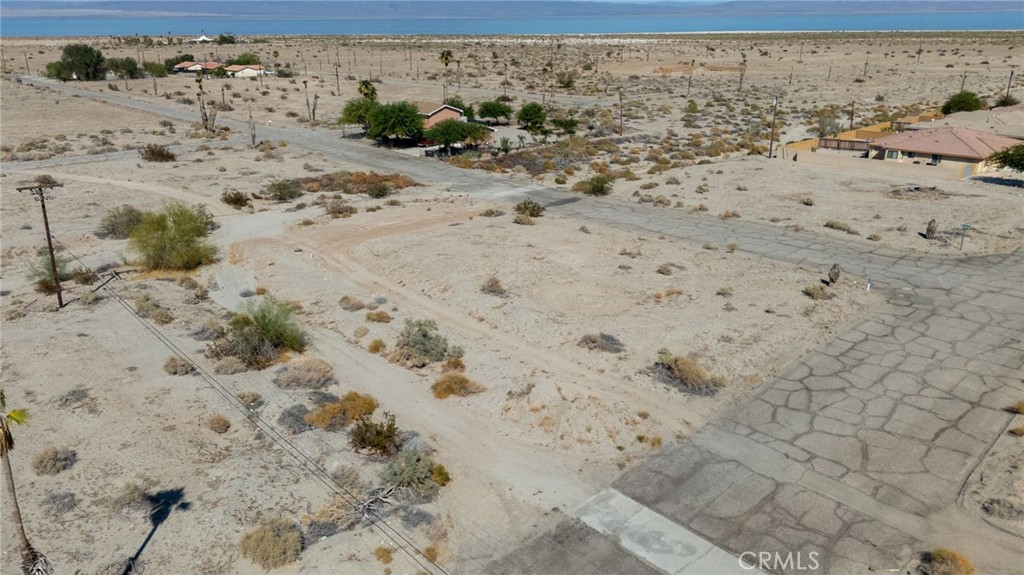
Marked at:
<point>420,344</point>
<point>383,554</point>
<point>230,366</point>
<point>132,497</point>
<point>339,511</point>
<point>338,414</point>
<point>724,291</point>
<point>148,308</point>
<point>60,502</point>
<point>379,437</point>
<point>492,286</point>
<point>218,424</point>
<point>340,209</point>
<point>1017,408</point>
<point>731,248</point>
<point>492,213</point>
<point>453,364</point>
<point>413,470</point>
<point>53,460</point>
<point>945,561</point>
<point>178,366</point>
<point>274,543</point>
<point>349,303</point>
<point>602,342</point>
<point>157,153</point>
<point>522,220</point>
<point>842,227</point>
<point>808,201</point>
<point>250,399</point>
<point>816,292</point>
<point>664,269</point>
<point>875,238</point>
<point>376,346</point>
<point>685,371</point>
<point>119,222</point>
<point>379,316</point>
<point>530,208</point>
<point>454,383</point>
<point>306,373</point>
<point>1017,431</point>
<point>729,214</point>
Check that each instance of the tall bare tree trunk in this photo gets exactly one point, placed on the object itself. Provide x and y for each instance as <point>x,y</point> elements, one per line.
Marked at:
<point>27,552</point>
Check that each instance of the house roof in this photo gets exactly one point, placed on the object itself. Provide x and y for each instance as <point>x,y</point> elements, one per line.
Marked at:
<point>240,67</point>
<point>185,64</point>
<point>947,141</point>
<point>210,65</point>
<point>1005,121</point>
<point>430,108</point>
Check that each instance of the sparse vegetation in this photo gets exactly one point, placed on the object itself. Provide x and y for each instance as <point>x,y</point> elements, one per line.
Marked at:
<point>376,436</point>
<point>686,372</point>
<point>173,238</point>
<point>1017,408</point>
<point>454,383</point>
<point>274,543</point>
<point>522,220</point>
<point>602,342</point>
<point>842,227</point>
<point>492,286</point>
<point>335,415</point>
<point>178,366</point>
<point>119,222</point>
<point>218,424</point>
<point>530,208</point>
<point>349,303</point>
<point>157,153</point>
<point>53,460</point>
<point>597,185</point>
<point>376,346</point>
<point>306,373</point>
<point>379,316</point>
<point>420,344</point>
<point>257,335</point>
<point>816,291</point>
<point>236,199</point>
<point>414,471</point>
<point>945,561</point>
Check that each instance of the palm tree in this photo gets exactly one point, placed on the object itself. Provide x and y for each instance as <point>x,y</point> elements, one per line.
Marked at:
<point>367,90</point>
<point>446,58</point>
<point>32,561</point>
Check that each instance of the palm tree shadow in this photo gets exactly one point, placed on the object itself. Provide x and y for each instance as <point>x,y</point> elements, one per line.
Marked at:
<point>161,504</point>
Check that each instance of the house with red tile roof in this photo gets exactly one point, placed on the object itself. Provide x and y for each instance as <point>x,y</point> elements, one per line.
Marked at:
<point>963,150</point>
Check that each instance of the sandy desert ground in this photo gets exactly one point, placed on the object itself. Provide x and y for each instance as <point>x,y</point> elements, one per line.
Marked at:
<point>555,422</point>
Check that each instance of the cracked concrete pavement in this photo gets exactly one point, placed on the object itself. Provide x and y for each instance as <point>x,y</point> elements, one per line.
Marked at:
<point>856,452</point>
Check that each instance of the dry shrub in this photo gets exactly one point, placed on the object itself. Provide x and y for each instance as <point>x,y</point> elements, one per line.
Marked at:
<point>379,437</point>
<point>454,383</point>
<point>59,503</point>
<point>603,342</point>
<point>729,214</point>
<point>685,371</point>
<point>132,497</point>
<point>944,561</point>
<point>530,208</point>
<point>293,419</point>
<point>492,286</point>
<point>420,344</point>
<point>412,470</point>
<point>84,276</point>
<point>339,511</point>
<point>230,366</point>
<point>724,291</point>
<point>383,554</point>
<point>522,220</point>
<point>272,544</point>
<point>379,316</point>
<point>360,331</point>
<point>816,291</point>
<point>875,238</point>
<point>335,414</point>
<point>453,364</point>
<point>53,460</point>
<point>157,153</point>
<point>842,227</point>
<point>376,346</point>
<point>1017,408</point>
<point>218,424</point>
<point>731,248</point>
<point>340,208</point>
<point>1017,431</point>
<point>492,213</point>
<point>439,474</point>
<point>664,269</point>
<point>306,373</point>
<point>349,303</point>
<point>329,416</point>
<point>178,366</point>
<point>250,399</point>
<point>808,201</point>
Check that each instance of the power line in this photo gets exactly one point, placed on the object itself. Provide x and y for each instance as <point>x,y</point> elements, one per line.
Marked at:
<point>376,520</point>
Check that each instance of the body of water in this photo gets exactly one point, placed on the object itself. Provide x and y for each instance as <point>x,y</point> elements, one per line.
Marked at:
<point>92,26</point>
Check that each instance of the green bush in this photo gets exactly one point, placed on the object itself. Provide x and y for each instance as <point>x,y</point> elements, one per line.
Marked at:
<point>274,543</point>
<point>236,199</point>
<point>962,102</point>
<point>420,344</point>
<point>173,238</point>
<point>284,190</point>
<point>380,437</point>
<point>599,185</point>
<point>1006,100</point>
<point>259,333</point>
<point>40,272</point>
<point>412,470</point>
<point>157,153</point>
<point>119,222</point>
<point>530,208</point>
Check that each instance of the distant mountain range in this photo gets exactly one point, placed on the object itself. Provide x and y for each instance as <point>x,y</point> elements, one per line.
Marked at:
<point>490,9</point>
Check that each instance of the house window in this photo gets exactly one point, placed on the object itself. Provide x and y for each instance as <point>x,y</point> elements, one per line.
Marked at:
<point>936,158</point>
<point>892,154</point>
<point>910,154</point>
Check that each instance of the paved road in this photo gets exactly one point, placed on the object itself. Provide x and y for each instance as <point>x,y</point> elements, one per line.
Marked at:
<point>857,452</point>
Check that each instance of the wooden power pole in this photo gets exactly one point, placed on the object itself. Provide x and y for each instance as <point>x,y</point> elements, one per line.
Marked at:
<point>38,191</point>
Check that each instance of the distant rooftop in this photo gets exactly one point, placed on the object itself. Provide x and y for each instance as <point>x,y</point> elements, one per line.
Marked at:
<point>1007,121</point>
<point>947,141</point>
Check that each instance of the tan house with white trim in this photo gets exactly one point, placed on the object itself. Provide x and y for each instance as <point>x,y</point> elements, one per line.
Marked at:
<point>434,113</point>
<point>244,70</point>
<point>962,150</point>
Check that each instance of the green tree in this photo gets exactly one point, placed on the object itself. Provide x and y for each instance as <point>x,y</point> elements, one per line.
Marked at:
<point>495,110</point>
<point>566,125</point>
<point>446,58</point>
<point>244,59</point>
<point>827,126</point>
<point>82,62</point>
<point>395,120</point>
<point>467,109</point>
<point>125,68</point>
<point>1012,158</point>
<point>155,70</point>
<point>226,39</point>
<point>962,102</point>
<point>357,111</point>
<point>367,90</point>
<point>32,561</point>
<point>170,63</point>
<point>173,238</point>
<point>532,117</point>
<point>57,71</point>
<point>448,132</point>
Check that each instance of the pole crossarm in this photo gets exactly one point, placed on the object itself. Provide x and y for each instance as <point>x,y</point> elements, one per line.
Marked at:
<point>38,191</point>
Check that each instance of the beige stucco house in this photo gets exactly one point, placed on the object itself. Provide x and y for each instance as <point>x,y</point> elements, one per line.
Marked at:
<point>962,150</point>
<point>244,70</point>
<point>434,113</point>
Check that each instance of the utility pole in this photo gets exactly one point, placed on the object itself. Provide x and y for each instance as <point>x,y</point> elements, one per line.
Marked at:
<point>771,139</point>
<point>1010,81</point>
<point>865,74</point>
<point>743,70</point>
<point>38,192</point>
<point>963,80</point>
<point>791,75</point>
<point>621,129</point>
<point>689,79</point>
<point>800,60</point>
<point>829,72</point>
<point>27,71</point>
<point>920,48</point>
<point>852,108</point>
